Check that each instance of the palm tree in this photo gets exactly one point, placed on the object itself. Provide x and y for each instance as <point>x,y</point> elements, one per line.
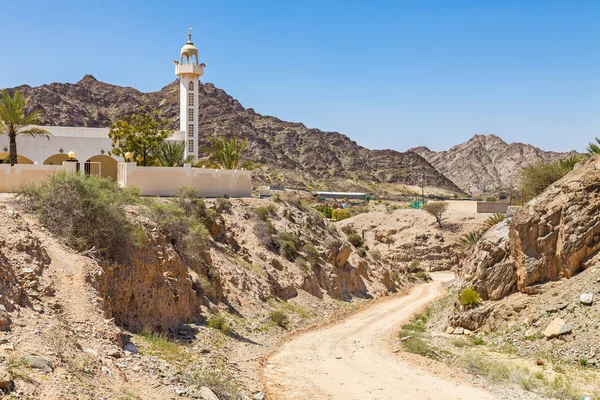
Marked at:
<point>14,120</point>
<point>594,148</point>
<point>227,152</point>
<point>170,154</point>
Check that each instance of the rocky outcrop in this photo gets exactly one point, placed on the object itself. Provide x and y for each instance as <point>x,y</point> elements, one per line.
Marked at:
<point>555,233</point>
<point>154,291</point>
<point>486,163</point>
<point>489,269</point>
<point>288,153</point>
<point>554,236</point>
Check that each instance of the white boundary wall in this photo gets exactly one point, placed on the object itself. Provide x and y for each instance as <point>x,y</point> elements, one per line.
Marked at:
<point>164,181</point>
<point>13,177</point>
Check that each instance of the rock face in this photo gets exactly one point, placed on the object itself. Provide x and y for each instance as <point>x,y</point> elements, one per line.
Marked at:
<point>289,153</point>
<point>549,238</point>
<point>489,269</point>
<point>486,163</point>
<point>4,378</point>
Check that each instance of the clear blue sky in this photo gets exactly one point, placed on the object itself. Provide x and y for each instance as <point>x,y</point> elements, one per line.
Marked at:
<point>389,74</point>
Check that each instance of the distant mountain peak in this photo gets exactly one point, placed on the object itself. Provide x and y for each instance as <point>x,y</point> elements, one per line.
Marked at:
<point>486,163</point>
<point>86,79</point>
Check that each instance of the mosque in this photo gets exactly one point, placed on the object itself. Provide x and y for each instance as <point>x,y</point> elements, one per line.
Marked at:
<point>91,146</point>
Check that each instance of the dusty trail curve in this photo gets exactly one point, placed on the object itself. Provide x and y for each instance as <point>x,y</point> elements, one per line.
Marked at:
<point>354,360</point>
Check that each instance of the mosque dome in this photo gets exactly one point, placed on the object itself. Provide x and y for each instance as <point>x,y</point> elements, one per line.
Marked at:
<point>189,50</point>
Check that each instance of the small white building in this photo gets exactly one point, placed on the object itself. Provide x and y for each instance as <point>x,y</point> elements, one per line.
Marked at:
<point>93,144</point>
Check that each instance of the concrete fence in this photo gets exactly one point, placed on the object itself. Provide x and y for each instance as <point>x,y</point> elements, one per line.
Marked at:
<point>489,207</point>
<point>13,177</point>
<point>164,181</point>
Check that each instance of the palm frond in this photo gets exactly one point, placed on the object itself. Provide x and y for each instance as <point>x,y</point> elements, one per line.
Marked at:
<point>469,239</point>
<point>493,220</point>
<point>594,148</point>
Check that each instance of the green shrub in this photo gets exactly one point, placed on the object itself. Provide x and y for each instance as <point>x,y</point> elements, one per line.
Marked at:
<point>348,229</point>
<point>311,254</point>
<point>490,199</point>
<point>376,254</point>
<point>265,233</point>
<point>280,318</point>
<point>288,250</point>
<point>361,252</point>
<point>423,275</point>
<point>264,212</point>
<point>219,322</point>
<point>288,245</point>
<point>536,178</point>
<point>86,211</point>
<point>187,233</point>
<point>192,206</point>
<point>415,266</point>
<point>340,214</point>
<point>325,210</point>
<point>355,240</point>
<point>469,298</point>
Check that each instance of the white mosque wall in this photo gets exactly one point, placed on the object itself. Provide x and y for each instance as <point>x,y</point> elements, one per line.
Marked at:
<point>85,142</point>
<point>13,177</point>
<point>164,181</point>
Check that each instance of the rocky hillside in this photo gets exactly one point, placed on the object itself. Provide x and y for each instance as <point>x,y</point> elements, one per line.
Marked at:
<point>486,163</point>
<point>290,153</point>
<point>180,317</point>
<point>539,271</point>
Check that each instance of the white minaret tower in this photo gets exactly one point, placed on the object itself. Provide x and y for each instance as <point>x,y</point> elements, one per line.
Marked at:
<point>189,72</point>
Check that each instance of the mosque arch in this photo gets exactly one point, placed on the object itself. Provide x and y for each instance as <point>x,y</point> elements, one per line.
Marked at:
<point>108,165</point>
<point>56,159</point>
<point>4,159</point>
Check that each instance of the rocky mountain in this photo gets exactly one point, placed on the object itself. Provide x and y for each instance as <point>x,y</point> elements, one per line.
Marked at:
<point>289,153</point>
<point>486,163</point>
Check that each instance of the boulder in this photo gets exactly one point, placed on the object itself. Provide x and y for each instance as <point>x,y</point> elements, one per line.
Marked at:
<point>338,255</point>
<point>207,394</point>
<point>458,331</point>
<point>488,269</point>
<point>556,328</point>
<point>4,378</point>
<point>449,330</point>
<point>40,363</point>
<point>587,299</point>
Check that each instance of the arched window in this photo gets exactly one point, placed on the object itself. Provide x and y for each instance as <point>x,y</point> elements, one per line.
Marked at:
<point>191,85</point>
<point>191,99</point>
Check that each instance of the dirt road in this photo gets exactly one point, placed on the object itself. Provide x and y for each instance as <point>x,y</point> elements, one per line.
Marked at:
<point>354,359</point>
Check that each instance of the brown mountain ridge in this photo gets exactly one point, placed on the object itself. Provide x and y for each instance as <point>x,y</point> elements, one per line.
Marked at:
<point>288,153</point>
<point>486,163</point>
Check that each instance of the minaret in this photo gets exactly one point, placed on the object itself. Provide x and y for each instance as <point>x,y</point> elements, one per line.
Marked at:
<point>189,72</point>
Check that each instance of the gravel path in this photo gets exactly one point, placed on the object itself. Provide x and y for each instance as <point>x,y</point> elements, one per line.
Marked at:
<point>353,359</point>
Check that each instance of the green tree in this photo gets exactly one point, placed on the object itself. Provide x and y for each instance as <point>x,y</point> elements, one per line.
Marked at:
<point>140,134</point>
<point>437,209</point>
<point>536,178</point>
<point>227,152</point>
<point>594,148</point>
<point>171,154</point>
<point>15,120</point>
